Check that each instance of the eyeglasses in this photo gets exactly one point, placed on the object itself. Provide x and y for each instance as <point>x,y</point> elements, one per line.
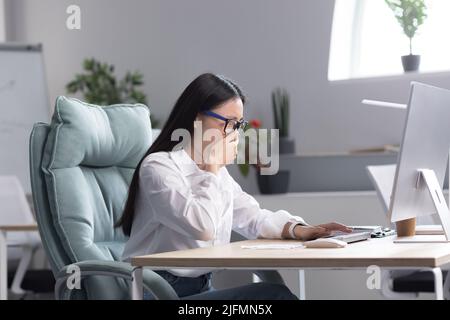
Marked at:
<point>230,124</point>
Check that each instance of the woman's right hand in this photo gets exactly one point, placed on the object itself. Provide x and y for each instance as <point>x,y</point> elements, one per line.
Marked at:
<point>221,153</point>
<point>306,233</point>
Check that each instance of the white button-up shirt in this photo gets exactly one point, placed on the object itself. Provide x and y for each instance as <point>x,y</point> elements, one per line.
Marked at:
<point>180,206</point>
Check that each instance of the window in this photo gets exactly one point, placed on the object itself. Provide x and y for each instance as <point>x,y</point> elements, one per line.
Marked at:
<point>2,22</point>
<point>368,41</point>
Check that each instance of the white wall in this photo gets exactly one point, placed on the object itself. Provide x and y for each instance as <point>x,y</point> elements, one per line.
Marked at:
<point>260,43</point>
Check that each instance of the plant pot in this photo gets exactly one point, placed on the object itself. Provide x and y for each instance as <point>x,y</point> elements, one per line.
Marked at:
<point>406,228</point>
<point>287,145</point>
<point>276,183</point>
<point>411,62</point>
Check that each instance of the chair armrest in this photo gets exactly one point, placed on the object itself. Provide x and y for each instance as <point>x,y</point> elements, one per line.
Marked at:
<point>152,281</point>
<point>270,276</point>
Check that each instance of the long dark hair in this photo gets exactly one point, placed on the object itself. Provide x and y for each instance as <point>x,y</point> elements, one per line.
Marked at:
<point>206,92</point>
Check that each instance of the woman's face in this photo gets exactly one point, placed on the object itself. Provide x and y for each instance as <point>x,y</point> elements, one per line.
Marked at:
<point>231,109</point>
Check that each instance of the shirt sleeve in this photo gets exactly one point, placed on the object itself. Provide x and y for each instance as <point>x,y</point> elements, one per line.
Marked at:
<point>253,222</point>
<point>192,211</point>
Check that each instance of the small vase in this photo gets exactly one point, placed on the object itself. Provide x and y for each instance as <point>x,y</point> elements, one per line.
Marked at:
<point>272,184</point>
<point>411,62</point>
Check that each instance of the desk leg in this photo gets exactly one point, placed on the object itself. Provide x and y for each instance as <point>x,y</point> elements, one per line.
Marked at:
<point>137,289</point>
<point>27,254</point>
<point>301,285</point>
<point>447,287</point>
<point>3,267</point>
<point>438,285</point>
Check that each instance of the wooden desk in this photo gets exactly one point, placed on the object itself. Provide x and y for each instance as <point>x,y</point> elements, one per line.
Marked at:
<point>4,229</point>
<point>379,252</point>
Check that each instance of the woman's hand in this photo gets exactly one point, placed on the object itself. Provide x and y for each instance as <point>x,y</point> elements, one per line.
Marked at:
<point>306,233</point>
<point>221,152</point>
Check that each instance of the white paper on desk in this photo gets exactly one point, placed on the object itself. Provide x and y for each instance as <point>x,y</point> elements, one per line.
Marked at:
<point>273,246</point>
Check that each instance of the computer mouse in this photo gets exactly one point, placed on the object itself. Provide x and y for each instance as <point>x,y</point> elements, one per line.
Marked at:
<point>325,243</point>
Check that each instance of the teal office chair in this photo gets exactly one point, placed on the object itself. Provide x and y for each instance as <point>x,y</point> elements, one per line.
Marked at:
<point>81,166</point>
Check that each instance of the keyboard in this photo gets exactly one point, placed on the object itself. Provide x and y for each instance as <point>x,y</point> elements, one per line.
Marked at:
<point>351,237</point>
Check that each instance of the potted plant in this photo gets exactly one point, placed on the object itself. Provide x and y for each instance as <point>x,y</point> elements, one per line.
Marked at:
<point>280,108</point>
<point>267,184</point>
<point>410,15</point>
<point>99,85</point>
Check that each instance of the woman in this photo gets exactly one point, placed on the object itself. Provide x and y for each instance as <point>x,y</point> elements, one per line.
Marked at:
<point>184,198</point>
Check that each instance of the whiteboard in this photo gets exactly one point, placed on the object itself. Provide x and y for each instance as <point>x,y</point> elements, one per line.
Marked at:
<point>23,102</point>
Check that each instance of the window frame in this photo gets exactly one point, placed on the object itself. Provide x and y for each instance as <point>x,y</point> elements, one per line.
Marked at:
<point>346,64</point>
<point>2,21</point>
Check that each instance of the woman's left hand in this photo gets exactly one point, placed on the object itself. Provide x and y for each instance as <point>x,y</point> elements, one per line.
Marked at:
<point>305,233</point>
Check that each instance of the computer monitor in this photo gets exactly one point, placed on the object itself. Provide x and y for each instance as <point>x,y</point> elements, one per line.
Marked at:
<point>423,158</point>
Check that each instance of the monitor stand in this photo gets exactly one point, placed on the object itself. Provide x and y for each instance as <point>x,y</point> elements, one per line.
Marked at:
<point>429,177</point>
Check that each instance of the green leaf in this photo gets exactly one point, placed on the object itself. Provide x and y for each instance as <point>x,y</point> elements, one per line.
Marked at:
<point>88,64</point>
<point>280,107</point>
<point>275,111</point>
<point>244,169</point>
<point>137,79</point>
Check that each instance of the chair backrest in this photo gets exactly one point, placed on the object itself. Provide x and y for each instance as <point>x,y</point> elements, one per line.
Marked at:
<point>81,167</point>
